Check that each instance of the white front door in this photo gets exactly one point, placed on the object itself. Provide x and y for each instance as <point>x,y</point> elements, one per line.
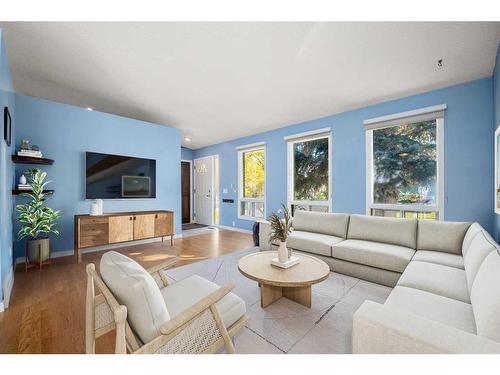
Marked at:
<point>204,190</point>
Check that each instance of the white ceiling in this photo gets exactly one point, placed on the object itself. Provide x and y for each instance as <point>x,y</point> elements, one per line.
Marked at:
<point>220,81</point>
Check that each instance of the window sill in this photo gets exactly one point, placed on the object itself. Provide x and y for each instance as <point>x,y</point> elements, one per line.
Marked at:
<point>405,207</point>
<point>251,218</point>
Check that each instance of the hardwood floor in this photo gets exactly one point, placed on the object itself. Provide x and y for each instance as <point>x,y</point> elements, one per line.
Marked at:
<point>47,309</point>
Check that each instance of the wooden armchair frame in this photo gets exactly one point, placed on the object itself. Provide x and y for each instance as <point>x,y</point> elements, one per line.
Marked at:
<point>199,329</point>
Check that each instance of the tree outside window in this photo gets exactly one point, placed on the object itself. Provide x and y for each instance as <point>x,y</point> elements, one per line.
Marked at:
<point>310,170</point>
<point>253,173</point>
<point>252,183</point>
<point>405,164</point>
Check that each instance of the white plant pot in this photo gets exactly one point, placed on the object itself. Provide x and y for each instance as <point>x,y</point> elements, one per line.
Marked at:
<point>33,252</point>
<point>282,252</point>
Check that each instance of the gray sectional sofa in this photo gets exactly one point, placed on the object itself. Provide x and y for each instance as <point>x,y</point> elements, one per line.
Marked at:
<point>446,279</point>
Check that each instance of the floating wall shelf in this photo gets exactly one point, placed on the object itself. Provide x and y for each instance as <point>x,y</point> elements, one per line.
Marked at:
<point>17,192</point>
<point>30,160</point>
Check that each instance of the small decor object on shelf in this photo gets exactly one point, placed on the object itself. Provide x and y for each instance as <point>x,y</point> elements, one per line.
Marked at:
<point>280,228</point>
<point>25,144</point>
<point>22,180</point>
<point>30,153</point>
<point>96,207</point>
<point>26,150</point>
<point>7,126</point>
<point>37,220</point>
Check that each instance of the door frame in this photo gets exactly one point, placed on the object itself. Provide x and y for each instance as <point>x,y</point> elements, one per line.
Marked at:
<point>191,177</point>
<point>212,157</point>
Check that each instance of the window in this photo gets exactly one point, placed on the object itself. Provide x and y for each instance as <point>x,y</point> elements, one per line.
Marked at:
<point>404,168</point>
<point>309,171</point>
<point>252,182</point>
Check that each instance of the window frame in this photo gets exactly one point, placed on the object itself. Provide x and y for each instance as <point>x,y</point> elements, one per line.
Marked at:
<point>304,137</point>
<point>440,177</point>
<point>241,198</point>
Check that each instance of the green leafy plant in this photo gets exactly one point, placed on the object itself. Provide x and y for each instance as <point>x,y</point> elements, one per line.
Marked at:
<point>280,228</point>
<point>36,218</point>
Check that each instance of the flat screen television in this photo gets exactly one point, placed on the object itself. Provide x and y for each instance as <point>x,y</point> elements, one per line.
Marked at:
<point>119,177</point>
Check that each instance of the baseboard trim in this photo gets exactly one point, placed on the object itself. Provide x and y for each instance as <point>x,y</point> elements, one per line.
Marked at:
<point>234,229</point>
<point>2,308</point>
<point>66,253</point>
<point>7,289</point>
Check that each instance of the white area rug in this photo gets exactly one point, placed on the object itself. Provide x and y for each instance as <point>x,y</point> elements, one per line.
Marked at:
<point>285,326</point>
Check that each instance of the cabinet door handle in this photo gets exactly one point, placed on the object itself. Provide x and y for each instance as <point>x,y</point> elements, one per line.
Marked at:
<point>156,216</point>
<point>130,218</point>
<point>134,217</point>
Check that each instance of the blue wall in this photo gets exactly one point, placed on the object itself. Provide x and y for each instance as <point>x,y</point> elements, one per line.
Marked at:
<point>6,171</point>
<point>65,132</point>
<point>468,154</point>
<point>496,110</point>
<point>186,153</point>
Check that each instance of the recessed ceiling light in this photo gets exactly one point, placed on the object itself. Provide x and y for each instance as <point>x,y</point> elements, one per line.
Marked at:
<point>187,139</point>
<point>90,109</point>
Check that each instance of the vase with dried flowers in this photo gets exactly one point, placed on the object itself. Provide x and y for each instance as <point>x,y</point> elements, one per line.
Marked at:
<point>280,228</point>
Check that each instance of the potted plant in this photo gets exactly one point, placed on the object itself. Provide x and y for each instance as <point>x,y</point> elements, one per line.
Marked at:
<point>280,228</point>
<point>37,220</point>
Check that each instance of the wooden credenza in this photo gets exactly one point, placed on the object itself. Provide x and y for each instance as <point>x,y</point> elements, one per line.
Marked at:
<point>121,227</point>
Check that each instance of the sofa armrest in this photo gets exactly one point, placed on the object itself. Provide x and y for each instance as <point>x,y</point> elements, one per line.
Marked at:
<point>380,329</point>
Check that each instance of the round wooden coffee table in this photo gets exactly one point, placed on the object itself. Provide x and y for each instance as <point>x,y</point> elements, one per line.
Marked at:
<point>293,283</point>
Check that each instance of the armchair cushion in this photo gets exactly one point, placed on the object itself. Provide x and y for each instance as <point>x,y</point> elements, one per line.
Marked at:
<point>185,293</point>
<point>135,288</point>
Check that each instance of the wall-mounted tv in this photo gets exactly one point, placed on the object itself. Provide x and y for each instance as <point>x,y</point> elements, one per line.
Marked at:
<point>119,177</point>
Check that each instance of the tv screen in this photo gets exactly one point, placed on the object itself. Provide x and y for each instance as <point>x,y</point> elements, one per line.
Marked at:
<point>119,177</point>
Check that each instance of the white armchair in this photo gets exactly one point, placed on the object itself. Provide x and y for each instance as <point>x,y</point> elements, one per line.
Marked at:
<point>191,316</point>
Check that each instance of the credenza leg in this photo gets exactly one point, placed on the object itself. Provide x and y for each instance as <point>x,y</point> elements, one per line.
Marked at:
<point>78,256</point>
<point>171,240</point>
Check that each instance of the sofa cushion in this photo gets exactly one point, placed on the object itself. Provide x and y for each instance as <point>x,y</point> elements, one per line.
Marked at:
<point>187,292</point>
<point>315,243</point>
<point>435,278</point>
<point>480,247</point>
<point>438,257</point>
<point>473,230</point>
<point>374,254</point>
<point>485,297</point>
<point>135,288</point>
<point>402,232</point>
<point>434,307</point>
<point>321,222</point>
<point>446,236</point>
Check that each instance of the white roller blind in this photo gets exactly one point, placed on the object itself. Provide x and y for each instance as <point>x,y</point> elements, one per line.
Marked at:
<point>403,118</point>
<point>310,134</point>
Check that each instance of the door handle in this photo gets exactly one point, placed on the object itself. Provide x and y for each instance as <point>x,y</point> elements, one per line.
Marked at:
<point>130,218</point>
